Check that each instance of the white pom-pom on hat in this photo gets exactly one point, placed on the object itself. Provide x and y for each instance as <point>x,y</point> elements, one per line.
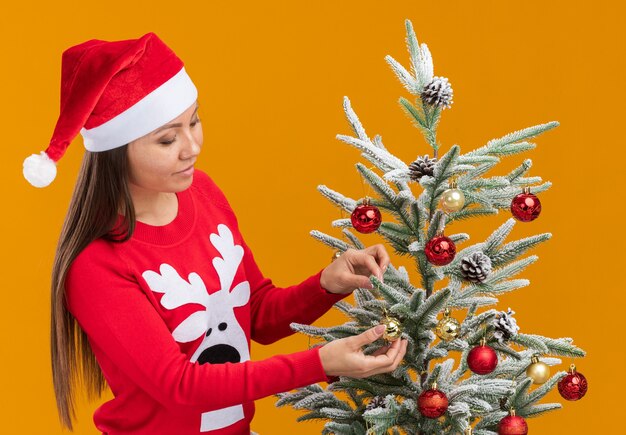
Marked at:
<point>39,169</point>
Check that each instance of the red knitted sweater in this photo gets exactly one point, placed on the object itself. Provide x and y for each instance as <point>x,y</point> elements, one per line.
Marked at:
<point>170,314</point>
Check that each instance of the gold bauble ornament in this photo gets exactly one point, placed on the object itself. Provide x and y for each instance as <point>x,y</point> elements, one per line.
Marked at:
<point>538,371</point>
<point>448,328</point>
<point>393,328</point>
<point>468,430</point>
<point>452,199</point>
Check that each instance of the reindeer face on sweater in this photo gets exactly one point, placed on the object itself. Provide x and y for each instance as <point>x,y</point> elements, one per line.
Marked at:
<point>223,338</point>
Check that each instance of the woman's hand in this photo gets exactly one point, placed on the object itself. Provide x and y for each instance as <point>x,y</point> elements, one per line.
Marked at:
<point>344,357</point>
<point>352,269</point>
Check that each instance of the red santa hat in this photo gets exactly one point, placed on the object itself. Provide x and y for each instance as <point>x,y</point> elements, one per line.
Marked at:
<point>113,92</point>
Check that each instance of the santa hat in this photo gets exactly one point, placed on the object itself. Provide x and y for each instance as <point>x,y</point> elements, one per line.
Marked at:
<point>113,92</point>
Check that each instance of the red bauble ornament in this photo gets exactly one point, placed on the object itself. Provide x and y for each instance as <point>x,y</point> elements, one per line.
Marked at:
<point>526,206</point>
<point>573,386</point>
<point>512,425</point>
<point>482,359</point>
<point>366,218</point>
<point>432,403</point>
<point>440,250</point>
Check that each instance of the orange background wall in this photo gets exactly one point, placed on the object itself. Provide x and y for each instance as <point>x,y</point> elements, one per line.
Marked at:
<point>271,77</point>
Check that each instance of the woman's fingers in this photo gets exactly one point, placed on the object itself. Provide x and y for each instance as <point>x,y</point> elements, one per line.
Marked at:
<point>380,254</point>
<point>384,359</point>
<point>360,281</point>
<point>354,270</point>
<point>365,264</point>
<point>381,351</point>
<point>367,337</point>
<point>387,361</point>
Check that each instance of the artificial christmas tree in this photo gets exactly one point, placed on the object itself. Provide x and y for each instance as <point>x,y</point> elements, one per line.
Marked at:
<point>424,198</point>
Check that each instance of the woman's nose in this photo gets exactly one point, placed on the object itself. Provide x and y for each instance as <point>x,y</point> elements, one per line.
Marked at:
<point>192,146</point>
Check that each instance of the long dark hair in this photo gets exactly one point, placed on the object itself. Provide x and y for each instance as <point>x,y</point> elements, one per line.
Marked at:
<point>101,192</point>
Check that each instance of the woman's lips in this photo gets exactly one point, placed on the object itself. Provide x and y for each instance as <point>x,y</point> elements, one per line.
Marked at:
<point>188,171</point>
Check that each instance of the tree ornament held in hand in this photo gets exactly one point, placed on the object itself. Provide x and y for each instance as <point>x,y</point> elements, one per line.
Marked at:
<point>482,359</point>
<point>512,425</point>
<point>432,403</point>
<point>505,326</point>
<point>452,199</point>
<point>366,218</point>
<point>574,385</point>
<point>448,328</point>
<point>422,166</point>
<point>393,328</point>
<point>538,371</point>
<point>438,93</point>
<point>526,206</point>
<point>476,267</point>
<point>440,250</point>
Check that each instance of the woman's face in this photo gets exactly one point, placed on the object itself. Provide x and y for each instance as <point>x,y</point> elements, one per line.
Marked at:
<point>157,159</point>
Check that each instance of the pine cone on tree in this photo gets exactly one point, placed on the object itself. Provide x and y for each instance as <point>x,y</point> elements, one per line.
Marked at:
<point>376,402</point>
<point>505,326</point>
<point>438,93</point>
<point>476,267</point>
<point>503,404</point>
<point>422,166</point>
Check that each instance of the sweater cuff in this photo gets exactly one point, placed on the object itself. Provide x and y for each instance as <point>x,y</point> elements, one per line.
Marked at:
<point>325,294</point>
<point>311,362</point>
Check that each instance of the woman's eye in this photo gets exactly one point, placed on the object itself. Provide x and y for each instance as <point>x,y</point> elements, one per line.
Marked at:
<point>171,141</point>
<point>168,142</point>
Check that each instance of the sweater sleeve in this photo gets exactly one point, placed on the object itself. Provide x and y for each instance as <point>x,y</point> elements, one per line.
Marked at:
<point>123,326</point>
<point>274,308</point>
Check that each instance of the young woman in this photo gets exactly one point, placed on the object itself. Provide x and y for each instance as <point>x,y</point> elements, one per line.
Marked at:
<point>154,290</point>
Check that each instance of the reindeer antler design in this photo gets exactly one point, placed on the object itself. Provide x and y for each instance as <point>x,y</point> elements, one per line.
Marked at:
<point>177,291</point>
<point>232,254</point>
